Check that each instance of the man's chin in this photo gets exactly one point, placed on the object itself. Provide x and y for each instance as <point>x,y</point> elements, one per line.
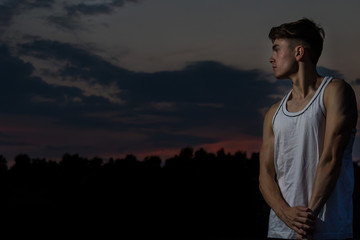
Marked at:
<point>281,77</point>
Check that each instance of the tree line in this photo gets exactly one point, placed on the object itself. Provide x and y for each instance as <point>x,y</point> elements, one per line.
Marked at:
<point>195,194</point>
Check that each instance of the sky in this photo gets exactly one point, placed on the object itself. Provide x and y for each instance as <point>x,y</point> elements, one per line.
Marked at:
<point>108,78</point>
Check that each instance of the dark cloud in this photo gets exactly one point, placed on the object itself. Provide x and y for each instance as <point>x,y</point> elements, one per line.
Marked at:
<point>39,4</point>
<point>87,9</point>
<point>35,113</point>
<point>63,22</point>
<point>80,63</point>
<point>10,8</point>
<point>69,20</point>
<point>188,95</point>
<point>163,108</point>
<point>21,93</point>
<point>121,3</point>
<point>329,72</point>
<point>94,9</point>
<point>7,11</point>
<point>7,143</point>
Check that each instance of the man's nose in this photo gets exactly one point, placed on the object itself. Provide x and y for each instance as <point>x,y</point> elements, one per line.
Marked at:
<point>271,60</point>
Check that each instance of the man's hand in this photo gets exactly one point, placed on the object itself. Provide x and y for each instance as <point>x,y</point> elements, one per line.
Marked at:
<point>300,219</point>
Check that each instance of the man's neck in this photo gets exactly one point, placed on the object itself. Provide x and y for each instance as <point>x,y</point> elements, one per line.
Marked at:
<point>305,82</point>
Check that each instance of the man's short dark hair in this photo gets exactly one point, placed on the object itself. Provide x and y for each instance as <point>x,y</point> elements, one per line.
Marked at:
<point>306,32</point>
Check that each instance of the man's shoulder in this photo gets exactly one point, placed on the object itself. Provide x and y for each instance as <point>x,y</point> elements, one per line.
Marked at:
<point>337,84</point>
<point>340,95</point>
<point>271,111</point>
<point>339,87</point>
<point>275,106</point>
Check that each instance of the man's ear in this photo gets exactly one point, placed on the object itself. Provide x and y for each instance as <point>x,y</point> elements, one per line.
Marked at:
<point>299,52</point>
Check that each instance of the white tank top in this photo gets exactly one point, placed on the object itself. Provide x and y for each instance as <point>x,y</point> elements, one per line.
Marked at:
<point>299,140</point>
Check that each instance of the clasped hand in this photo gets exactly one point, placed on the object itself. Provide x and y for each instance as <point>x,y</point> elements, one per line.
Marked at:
<point>301,219</point>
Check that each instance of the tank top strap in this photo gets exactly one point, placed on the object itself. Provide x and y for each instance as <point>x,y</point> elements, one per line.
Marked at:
<point>279,107</point>
<point>325,82</point>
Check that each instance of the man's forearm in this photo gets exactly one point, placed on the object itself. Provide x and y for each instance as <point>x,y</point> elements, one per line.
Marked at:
<point>298,218</point>
<point>327,174</point>
<point>272,195</point>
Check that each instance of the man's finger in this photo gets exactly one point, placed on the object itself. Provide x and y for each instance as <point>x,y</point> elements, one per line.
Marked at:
<point>303,228</point>
<point>297,228</point>
<point>305,220</point>
<point>307,216</point>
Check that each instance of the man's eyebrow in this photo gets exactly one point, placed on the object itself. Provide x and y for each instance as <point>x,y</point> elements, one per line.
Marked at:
<point>274,46</point>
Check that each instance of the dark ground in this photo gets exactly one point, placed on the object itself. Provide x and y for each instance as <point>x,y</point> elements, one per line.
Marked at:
<point>195,195</point>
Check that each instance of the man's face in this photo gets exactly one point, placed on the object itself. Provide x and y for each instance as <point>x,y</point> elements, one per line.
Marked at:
<point>283,59</point>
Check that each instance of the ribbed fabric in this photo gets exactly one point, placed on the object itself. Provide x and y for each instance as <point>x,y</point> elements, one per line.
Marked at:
<point>299,141</point>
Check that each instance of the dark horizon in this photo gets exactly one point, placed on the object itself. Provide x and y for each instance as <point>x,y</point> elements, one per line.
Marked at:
<point>194,194</point>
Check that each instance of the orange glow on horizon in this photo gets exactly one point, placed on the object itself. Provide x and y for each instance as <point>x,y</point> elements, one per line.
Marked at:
<point>243,143</point>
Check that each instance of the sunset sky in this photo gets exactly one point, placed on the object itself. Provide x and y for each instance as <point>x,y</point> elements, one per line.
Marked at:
<point>149,77</point>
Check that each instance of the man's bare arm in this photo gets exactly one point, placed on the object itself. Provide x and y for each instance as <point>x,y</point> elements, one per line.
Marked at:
<point>298,218</point>
<point>268,186</point>
<point>341,118</point>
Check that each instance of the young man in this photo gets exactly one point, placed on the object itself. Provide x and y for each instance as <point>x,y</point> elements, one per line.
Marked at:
<point>306,171</point>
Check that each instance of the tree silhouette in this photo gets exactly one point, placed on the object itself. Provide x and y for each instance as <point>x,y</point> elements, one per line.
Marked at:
<point>192,194</point>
